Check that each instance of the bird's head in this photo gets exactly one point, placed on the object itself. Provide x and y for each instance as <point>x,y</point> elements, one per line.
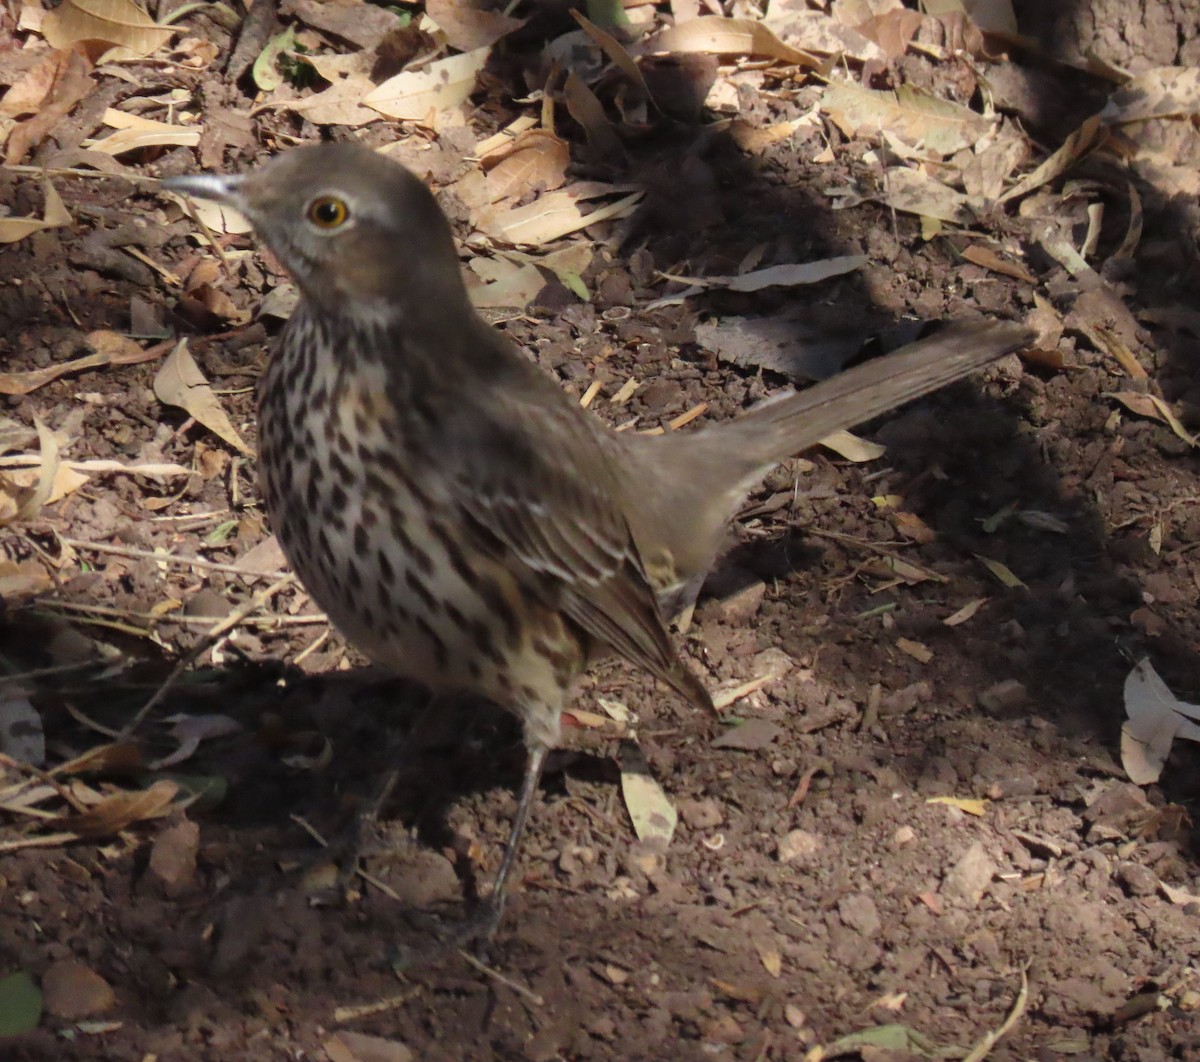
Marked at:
<point>356,230</point>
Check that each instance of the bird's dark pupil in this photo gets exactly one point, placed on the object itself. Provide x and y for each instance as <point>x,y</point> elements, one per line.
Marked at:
<point>328,212</point>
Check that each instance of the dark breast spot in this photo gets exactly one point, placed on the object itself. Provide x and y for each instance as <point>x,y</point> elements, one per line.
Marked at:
<point>414,583</point>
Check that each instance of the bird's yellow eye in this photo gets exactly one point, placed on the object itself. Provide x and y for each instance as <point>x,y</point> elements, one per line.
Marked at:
<point>328,212</point>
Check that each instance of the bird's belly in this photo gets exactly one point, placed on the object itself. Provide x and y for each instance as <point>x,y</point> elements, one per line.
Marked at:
<point>389,559</point>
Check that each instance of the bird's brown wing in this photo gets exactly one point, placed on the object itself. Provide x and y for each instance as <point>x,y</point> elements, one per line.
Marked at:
<point>551,514</point>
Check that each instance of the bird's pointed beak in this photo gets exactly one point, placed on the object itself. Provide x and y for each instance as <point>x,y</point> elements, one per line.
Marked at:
<point>225,189</point>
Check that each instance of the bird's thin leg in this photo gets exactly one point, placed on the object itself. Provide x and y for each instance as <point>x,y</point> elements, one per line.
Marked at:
<point>479,928</point>
<point>529,788</point>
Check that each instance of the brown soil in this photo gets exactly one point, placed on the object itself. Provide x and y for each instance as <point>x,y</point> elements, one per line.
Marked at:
<point>812,888</point>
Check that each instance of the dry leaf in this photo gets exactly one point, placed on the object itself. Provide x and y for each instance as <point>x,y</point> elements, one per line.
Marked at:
<point>915,192</point>
<point>912,526</point>
<point>21,733</point>
<point>413,95</point>
<point>965,613</point>
<point>342,103</point>
<point>72,82</point>
<point>29,86</point>
<point>1147,405</point>
<point>750,736</point>
<point>970,805</point>
<point>107,353</point>
<point>181,383</point>
<point>190,731</point>
<point>55,215</point>
<point>121,809</point>
<point>362,24</point>
<point>1156,718</point>
<point>348,1046</point>
<point>221,220</point>
<point>535,162</point>
<point>1002,572</point>
<point>1086,139</point>
<point>816,31</point>
<point>173,855</point>
<point>911,115</point>
<point>554,215</point>
<point>717,35</point>
<point>920,653</point>
<point>121,23</point>
<point>853,448</point>
<point>468,25</point>
<point>134,131</point>
<point>1163,92</point>
<point>505,284</point>
<point>989,259</point>
<point>22,498</point>
<point>787,275</point>
<point>585,107</point>
<point>18,581</point>
<point>769,956</point>
<point>654,816</point>
<point>785,344</point>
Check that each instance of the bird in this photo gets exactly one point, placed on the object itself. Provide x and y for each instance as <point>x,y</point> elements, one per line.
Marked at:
<point>461,519</point>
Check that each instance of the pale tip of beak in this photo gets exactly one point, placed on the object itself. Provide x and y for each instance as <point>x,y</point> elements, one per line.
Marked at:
<point>221,188</point>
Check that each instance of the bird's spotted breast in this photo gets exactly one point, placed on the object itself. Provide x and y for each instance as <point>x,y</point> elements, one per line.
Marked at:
<point>366,519</point>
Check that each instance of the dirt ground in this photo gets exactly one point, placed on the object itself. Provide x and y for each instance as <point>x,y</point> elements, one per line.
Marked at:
<point>907,827</point>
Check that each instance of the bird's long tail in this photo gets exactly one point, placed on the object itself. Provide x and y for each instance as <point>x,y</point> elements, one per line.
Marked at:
<point>776,429</point>
<point>703,477</point>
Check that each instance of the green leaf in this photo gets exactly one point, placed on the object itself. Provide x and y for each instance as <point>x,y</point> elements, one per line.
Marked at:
<point>266,71</point>
<point>608,14</point>
<point>575,283</point>
<point>20,1004</point>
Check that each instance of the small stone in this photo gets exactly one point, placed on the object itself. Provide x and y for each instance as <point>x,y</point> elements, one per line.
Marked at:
<point>701,814</point>
<point>1137,879</point>
<point>742,606</point>
<point>798,844</point>
<point>1004,696</point>
<point>969,878</point>
<point>73,991</point>
<point>346,1046</point>
<point>207,602</point>
<point>903,835</point>
<point>750,736</point>
<point>173,856</point>
<point>858,911</point>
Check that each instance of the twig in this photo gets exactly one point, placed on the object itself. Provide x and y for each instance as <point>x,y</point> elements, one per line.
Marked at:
<point>167,558</point>
<point>308,619</point>
<point>46,779</point>
<point>86,720</point>
<point>311,648</point>
<point>48,840</point>
<point>203,646</point>
<point>383,887</point>
<point>57,669</point>
<point>981,1050</point>
<point>366,1010</point>
<point>310,829</point>
<point>496,975</point>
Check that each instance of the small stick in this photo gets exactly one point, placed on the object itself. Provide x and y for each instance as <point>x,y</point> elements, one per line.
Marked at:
<point>496,975</point>
<point>166,558</point>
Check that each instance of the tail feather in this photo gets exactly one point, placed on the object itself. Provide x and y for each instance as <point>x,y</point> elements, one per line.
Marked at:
<point>780,428</point>
<point>691,483</point>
